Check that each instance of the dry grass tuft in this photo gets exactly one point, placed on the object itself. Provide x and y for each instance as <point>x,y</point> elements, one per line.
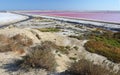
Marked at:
<point>16,43</point>
<point>4,43</point>
<point>40,56</point>
<point>84,67</point>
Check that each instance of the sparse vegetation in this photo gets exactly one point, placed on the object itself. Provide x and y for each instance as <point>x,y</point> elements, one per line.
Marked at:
<point>15,43</point>
<point>107,44</point>
<point>67,47</point>
<point>19,42</point>
<point>49,29</point>
<point>63,49</point>
<point>103,42</point>
<point>79,37</point>
<point>73,58</point>
<point>40,19</point>
<point>117,36</point>
<point>76,47</point>
<point>59,55</point>
<point>79,26</point>
<point>47,55</point>
<point>4,44</point>
<point>84,67</point>
<point>40,56</point>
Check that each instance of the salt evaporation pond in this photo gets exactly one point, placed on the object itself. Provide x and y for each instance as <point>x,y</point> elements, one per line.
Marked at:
<point>8,18</point>
<point>112,17</point>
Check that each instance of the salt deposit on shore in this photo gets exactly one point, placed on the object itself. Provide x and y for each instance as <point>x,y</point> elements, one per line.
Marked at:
<point>98,24</point>
<point>102,24</point>
<point>7,18</point>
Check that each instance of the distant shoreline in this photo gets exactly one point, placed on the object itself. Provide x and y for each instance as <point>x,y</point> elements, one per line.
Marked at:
<point>90,23</point>
<point>24,18</point>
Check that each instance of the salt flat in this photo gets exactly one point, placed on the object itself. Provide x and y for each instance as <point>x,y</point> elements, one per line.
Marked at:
<point>7,18</point>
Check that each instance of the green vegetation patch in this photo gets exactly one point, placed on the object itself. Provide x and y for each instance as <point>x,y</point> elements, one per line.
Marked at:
<point>49,29</point>
<point>73,58</point>
<point>106,44</point>
<point>63,49</point>
<point>79,37</point>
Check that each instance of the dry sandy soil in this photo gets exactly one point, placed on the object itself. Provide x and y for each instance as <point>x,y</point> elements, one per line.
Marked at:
<point>7,66</point>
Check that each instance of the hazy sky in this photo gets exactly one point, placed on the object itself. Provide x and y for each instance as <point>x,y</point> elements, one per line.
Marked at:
<point>59,4</point>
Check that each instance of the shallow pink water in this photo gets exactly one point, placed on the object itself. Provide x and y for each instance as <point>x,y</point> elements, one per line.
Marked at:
<point>97,16</point>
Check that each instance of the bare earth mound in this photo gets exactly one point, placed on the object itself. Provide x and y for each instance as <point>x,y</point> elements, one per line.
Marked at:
<point>75,49</point>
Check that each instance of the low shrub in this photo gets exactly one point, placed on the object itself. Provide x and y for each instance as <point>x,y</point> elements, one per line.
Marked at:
<point>19,43</point>
<point>5,48</point>
<point>105,44</point>
<point>76,47</point>
<point>4,43</point>
<point>39,56</point>
<point>62,49</point>
<point>117,36</point>
<point>15,43</point>
<point>73,58</point>
<point>84,67</point>
<point>112,53</point>
<point>21,39</point>
<point>80,37</point>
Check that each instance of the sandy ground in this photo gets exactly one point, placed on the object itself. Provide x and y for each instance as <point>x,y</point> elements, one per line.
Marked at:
<point>63,61</point>
<point>8,67</point>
